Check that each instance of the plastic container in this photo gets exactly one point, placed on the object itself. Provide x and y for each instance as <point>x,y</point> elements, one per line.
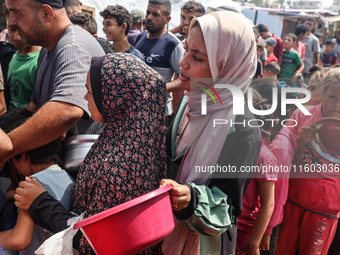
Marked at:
<point>76,149</point>
<point>132,226</point>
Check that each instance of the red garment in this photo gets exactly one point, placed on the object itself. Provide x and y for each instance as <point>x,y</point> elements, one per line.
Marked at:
<point>278,50</point>
<point>283,149</point>
<point>321,194</point>
<point>251,200</point>
<point>310,232</point>
<point>301,49</point>
<point>272,58</point>
<point>313,207</point>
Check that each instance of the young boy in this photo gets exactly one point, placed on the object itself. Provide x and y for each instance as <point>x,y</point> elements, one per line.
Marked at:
<point>189,11</point>
<point>292,64</point>
<point>41,164</point>
<point>117,23</point>
<point>328,57</point>
<point>21,70</point>
<point>270,44</point>
<point>271,70</point>
<point>87,22</point>
<point>301,32</point>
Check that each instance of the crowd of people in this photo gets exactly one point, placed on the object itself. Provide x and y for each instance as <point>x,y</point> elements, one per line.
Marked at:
<point>143,88</point>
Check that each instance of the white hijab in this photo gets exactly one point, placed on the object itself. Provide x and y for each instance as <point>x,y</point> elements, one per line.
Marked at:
<point>231,50</point>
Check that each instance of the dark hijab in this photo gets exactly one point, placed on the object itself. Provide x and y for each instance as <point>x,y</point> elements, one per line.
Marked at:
<point>128,159</point>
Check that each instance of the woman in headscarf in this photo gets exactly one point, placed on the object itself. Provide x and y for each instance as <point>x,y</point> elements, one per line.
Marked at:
<point>128,158</point>
<point>221,49</point>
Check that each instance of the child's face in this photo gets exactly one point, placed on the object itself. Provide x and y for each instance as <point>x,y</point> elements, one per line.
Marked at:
<point>314,88</point>
<point>95,114</point>
<point>310,24</point>
<point>330,47</point>
<point>22,165</point>
<point>331,101</point>
<point>259,50</point>
<point>289,42</point>
<point>302,37</point>
<point>15,38</point>
<point>270,49</point>
<point>186,18</point>
<point>111,29</point>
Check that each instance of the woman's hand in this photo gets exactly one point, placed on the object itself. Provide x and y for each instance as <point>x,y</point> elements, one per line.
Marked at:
<point>179,195</point>
<point>27,192</point>
<point>264,245</point>
<point>249,249</point>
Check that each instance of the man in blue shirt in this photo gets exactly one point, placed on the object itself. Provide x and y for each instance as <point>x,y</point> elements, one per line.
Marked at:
<point>161,49</point>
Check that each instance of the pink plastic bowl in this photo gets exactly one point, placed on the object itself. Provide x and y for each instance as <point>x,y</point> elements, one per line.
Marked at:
<point>132,226</point>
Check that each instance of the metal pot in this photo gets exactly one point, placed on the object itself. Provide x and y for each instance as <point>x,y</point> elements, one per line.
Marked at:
<point>327,139</point>
<point>76,148</point>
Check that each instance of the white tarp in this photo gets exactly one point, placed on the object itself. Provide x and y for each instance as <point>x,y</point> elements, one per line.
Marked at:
<point>272,21</point>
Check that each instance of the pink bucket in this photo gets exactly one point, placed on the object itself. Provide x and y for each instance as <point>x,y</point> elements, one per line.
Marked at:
<point>132,226</point>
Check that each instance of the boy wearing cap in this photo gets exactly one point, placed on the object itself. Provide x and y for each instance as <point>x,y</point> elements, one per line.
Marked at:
<point>136,26</point>
<point>270,44</point>
<point>328,57</point>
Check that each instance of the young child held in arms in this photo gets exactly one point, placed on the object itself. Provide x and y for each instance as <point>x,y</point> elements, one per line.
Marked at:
<point>41,164</point>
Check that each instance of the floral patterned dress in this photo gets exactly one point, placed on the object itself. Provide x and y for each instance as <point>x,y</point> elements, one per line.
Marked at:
<point>128,159</point>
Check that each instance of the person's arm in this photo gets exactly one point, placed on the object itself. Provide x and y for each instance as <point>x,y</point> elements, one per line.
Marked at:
<point>32,107</point>
<point>252,246</point>
<point>5,142</point>
<point>177,29</point>
<point>47,124</point>
<point>46,211</point>
<point>3,107</point>
<point>279,60</point>
<point>306,134</point>
<point>299,69</point>
<point>189,203</point>
<point>19,237</point>
<point>174,85</point>
<point>317,58</point>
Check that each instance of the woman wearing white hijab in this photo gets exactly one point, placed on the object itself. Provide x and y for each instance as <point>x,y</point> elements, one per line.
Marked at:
<point>221,49</point>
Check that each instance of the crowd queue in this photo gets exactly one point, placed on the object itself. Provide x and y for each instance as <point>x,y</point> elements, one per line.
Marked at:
<point>140,89</point>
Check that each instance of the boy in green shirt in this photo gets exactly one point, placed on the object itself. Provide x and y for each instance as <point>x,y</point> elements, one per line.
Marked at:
<point>291,65</point>
<point>21,70</point>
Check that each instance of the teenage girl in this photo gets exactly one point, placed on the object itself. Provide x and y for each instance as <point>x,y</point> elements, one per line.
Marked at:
<point>313,207</point>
